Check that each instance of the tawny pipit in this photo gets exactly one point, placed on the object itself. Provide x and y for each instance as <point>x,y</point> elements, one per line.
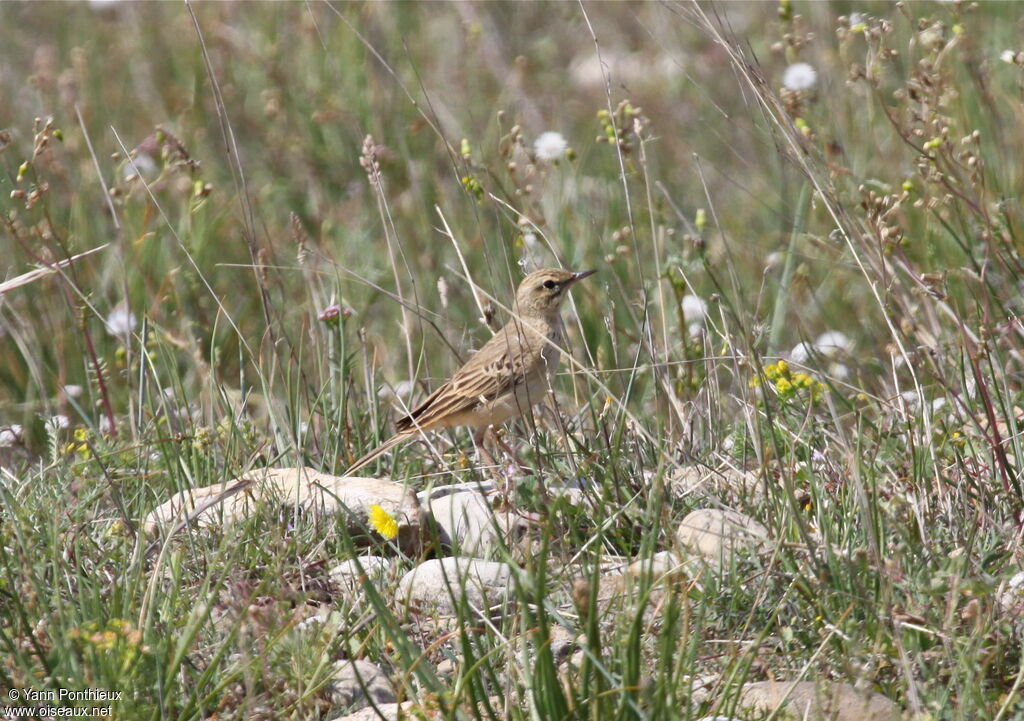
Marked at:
<point>505,378</point>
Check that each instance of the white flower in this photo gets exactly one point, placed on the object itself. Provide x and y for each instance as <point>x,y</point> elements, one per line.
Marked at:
<point>694,309</point>
<point>1008,56</point>
<point>839,371</point>
<point>832,342</point>
<point>550,146</point>
<point>828,344</point>
<point>9,435</point>
<point>121,321</point>
<point>773,261</point>
<point>801,352</point>
<point>799,76</point>
<point>55,423</point>
<point>73,391</point>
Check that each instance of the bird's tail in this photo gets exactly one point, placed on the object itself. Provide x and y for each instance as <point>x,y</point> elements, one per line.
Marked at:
<point>377,452</point>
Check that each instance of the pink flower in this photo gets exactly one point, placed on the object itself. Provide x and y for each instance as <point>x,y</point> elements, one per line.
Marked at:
<point>333,313</point>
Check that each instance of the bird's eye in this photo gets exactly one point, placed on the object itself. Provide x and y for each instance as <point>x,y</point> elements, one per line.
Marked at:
<point>549,284</point>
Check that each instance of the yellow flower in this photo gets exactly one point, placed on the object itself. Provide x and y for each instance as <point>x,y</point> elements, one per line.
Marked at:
<point>383,523</point>
<point>775,370</point>
<point>783,385</point>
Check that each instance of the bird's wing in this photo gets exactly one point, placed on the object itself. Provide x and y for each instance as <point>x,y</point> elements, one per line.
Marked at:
<point>506,360</point>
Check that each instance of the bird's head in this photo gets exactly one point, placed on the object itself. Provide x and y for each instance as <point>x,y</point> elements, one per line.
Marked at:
<point>541,293</point>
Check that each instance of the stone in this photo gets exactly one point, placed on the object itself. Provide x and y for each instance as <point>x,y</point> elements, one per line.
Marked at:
<point>351,573</point>
<point>467,525</point>
<point>359,682</point>
<point>1010,596</point>
<point>314,492</point>
<point>717,533</point>
<point>446,668</point>
<point>563,643</point>
<point>665,571</point>
<point>433,492</point>
<point>382,712</point>
<point>573,490</point>
<point>733,485</point>
<point>409,710</point>
<point>824,701</point>
<point>435,587</point>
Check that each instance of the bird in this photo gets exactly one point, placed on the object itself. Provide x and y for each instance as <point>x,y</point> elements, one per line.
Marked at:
<point>505,378</point>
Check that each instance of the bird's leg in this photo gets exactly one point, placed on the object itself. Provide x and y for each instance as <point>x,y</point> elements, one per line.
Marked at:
<point>503,483</point>
<point>478,442</point>
<point>511,452</point>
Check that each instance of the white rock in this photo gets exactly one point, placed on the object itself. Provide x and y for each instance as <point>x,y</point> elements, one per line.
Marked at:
<point>382,712</point>
<point>660,565</point>
<point>350,574</point>
<point>437,586</point>
<point>414,710</point>
<point>716,533</point>
<point>576,491</point>
<point>725,483</point>
<point>469,526</point>
<point>663,571</point>
<point>433,492</point>
<point>824,700</point>
<point>359,682</point>
<point>1011,595</point>
<point>314,492</point>
<point>9,435</point>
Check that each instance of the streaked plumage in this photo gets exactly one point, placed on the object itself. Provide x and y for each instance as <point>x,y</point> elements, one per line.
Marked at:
<point>506,377</point>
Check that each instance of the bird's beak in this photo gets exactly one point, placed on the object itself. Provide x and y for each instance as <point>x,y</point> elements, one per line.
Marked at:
<point>576,277</point>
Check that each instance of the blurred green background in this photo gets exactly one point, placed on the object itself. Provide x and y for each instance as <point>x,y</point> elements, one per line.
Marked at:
<point>453,94</point>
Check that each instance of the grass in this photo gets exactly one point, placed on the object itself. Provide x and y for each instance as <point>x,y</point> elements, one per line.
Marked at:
<point>292,157</point>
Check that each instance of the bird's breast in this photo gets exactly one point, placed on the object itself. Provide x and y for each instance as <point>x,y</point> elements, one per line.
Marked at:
<point>552,354</point>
